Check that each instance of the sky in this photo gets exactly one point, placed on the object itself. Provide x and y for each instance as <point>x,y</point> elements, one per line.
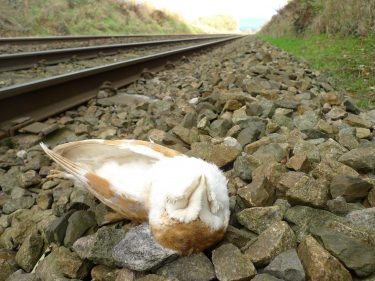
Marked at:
<point>245,11</point>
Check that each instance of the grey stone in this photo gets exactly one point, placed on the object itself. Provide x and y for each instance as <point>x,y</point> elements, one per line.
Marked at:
<point>44,200</point>
<point>363,133</point>
<point>354,254</point>
<point>220,127</point>
<point>286,266</point>
<point>62,264</point>
<point>154,277</point>
<point>336,113</point>
<point>359,121</point>
<point>271,152</point>
<point>251,133</point>
<point>298,163</point>
<point>124,99</point>
<point>190,120</point>
<point>98,247</point>
<point>331,98</point>
<point>310,150</point>
<point>8,264</point>
<point>328,169</point>
<point>283,121</point>
<point>289,180</point>
<point>351,188</point>
<point>319,264</point>
<point>219,154</point>
<point>306,121</point>
<point>255,85</point>
<point>308,191</point>
<point>18,192</point>
<point>30,178</point>
<point>331,150</point>
<point>276,239</point>
<point>13,205</point>
<point>259,219</point>
<point>30,252</point>
<point>340,207</point>
<point>371,197</point>
<point>160,106</point>
<point>230,264</point>
<point>238,237</point>
<point>78,223</point>
<point>351,107</point>
<point>243,166</point>
<point>265,277</point>
<point>49,184</point>
<point>83,196</point>
<point>188,136</point>
<point>362,158</point>
<point>347,138</point>
<point>105,215</point>
<point>139,251</point>
<point>196,267</point>
<point>364,218</point>
<point>104,273</point>
<point>303,218</point>
<point>39,128</point>
<point>260,192</point>
<point>19,275</point>
<point>10,179</point>
<point>287,103</point>
<point>56,230</point>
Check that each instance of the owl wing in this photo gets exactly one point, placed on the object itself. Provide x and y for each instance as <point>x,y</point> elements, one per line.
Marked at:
<point>114,171</point>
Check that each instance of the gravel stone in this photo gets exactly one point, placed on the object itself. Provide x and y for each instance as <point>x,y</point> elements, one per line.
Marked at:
<point>276,239</point>
<point>319,264</point>
<point>259,219</point>
<point>230,264</point>
<point>98,247</point>
<point>195,267</point>
<point>30,252</point>
<point>139,251</point>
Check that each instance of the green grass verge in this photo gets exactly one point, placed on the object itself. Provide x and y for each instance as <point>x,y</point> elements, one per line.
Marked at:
<point>350,61</point>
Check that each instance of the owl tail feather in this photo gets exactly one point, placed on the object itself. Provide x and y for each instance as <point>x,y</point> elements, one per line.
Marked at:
<point>66,164</point>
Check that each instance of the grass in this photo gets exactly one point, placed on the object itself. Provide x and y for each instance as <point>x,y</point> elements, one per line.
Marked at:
<point>350,61</point>
<point>89,17</point>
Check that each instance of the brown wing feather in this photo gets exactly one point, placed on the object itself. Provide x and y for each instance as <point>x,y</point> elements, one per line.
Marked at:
<point>100,187</point>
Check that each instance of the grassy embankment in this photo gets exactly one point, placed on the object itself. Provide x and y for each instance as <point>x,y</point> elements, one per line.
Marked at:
<point>335,38</point>
<point>91,17</point>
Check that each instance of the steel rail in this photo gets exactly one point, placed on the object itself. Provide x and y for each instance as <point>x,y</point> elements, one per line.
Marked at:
<point>47,39</point>
<point>40,99</point>
<point>26,60</point>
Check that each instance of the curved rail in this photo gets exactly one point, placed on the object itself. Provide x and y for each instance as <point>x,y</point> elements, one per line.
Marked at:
<point>40,99</point>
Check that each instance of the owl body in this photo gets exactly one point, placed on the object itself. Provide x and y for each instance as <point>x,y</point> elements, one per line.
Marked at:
<point>184,199</point>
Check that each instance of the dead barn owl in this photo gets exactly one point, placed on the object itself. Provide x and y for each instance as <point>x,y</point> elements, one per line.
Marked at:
<point>184,199</point>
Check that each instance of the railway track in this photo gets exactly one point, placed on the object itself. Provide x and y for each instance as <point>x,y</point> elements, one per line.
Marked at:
<point>86,59</point>
<point>36,100</point>
<point>30,44</point>
<point>49,57</point>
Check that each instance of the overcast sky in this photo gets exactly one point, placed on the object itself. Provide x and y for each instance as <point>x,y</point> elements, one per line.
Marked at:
<point>192,9</point>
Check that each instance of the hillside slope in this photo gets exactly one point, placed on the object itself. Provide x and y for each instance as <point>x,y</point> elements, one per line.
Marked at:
<point>335,37</point>
<point>345,17</point>
<point>91,17</point>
